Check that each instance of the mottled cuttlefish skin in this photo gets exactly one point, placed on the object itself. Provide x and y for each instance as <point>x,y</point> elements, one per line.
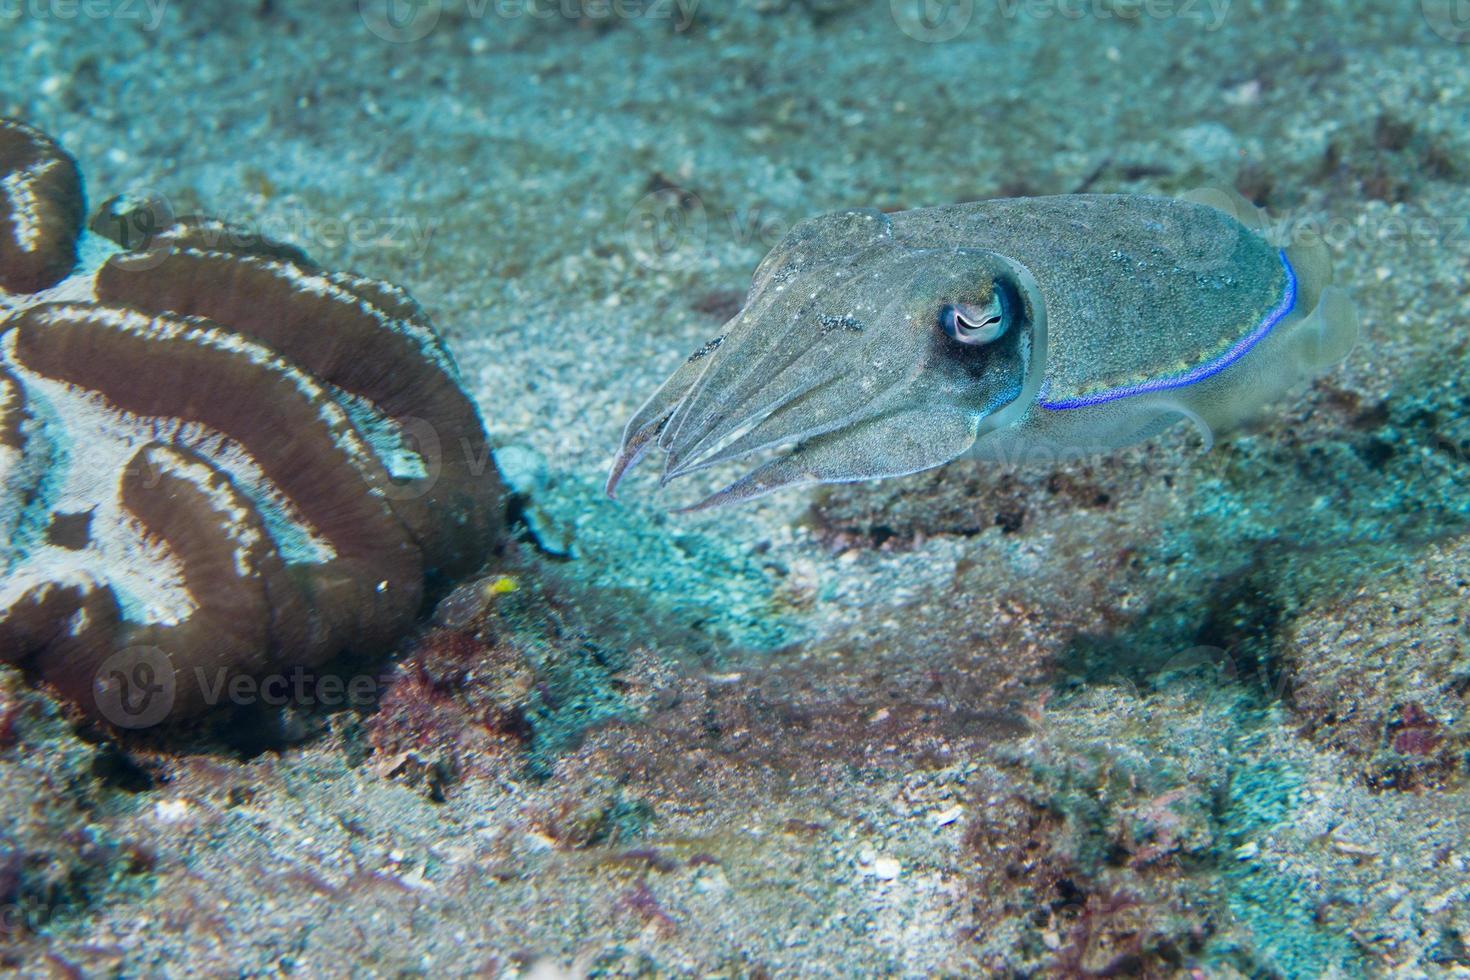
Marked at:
<point>1032,329</point>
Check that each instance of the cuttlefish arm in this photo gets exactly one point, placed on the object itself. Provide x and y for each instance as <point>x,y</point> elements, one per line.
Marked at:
<point>642,430</point>
<point>876,345</point>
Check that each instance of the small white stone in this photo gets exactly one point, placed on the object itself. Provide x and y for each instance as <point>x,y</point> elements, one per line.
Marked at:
<point>171,811</point>
<point>886,868</point>
<point>712,882</point>
<point>1244,94</point>
<point>415,879</point>
<point>946,817</point>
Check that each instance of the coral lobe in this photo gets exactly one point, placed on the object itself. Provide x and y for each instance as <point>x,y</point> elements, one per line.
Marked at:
<point>41,209</point>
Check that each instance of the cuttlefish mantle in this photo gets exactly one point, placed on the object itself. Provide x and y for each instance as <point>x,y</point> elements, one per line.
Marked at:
<point>1033,329</point>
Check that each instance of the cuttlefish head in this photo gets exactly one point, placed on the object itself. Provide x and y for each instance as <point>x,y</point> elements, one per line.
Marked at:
<point>855,357</point>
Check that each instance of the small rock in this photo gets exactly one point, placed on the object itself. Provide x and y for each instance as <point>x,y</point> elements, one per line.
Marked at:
<point>946,817</point>
<point>171,811</point>
<point>1210,144</point>
<point>712,881</point>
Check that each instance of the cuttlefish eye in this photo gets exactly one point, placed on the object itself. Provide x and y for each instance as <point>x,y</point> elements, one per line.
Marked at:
<point>970,323</point>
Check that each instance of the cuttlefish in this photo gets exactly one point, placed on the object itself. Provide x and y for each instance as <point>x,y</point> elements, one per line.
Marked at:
<point>874,345</point>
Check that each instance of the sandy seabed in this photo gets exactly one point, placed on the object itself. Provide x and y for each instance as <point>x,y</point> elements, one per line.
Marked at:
<point>1145,715</point>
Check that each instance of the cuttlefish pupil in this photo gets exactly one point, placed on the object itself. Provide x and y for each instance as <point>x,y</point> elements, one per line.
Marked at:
<point>1022,329</point>
<point>970,324</point>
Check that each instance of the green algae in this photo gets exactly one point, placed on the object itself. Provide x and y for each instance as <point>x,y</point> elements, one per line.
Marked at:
<point>1279,908</point>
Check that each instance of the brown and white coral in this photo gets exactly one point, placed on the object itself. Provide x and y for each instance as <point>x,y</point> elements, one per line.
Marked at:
<point>216,459</point>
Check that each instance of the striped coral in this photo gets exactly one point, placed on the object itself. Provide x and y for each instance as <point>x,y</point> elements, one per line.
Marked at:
<point>216,459</point>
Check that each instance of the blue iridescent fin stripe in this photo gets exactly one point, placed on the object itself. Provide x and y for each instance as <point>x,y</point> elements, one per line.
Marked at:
<point>1203,371</point>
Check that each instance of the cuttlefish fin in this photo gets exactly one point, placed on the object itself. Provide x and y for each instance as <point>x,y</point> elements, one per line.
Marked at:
<point>1320,331</point>
<point>1232,202</point>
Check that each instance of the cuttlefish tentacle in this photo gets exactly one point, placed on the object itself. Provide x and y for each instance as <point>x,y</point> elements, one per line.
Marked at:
<point>909,437</point>
<point>808,395</point>
<point>877,345</point>
<point>804,417</point>
<point>643,429</point>
<point>771,364</point>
